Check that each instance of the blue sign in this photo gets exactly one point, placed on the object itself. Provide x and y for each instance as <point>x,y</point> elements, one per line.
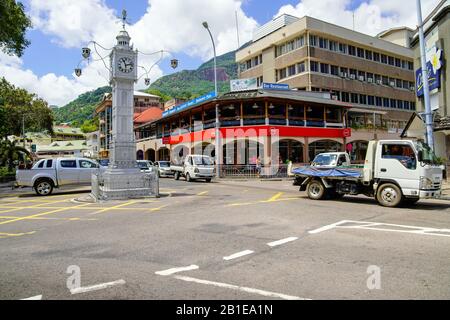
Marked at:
<point>434,68</point>
<point>275,86</point>
<point>190,103</point>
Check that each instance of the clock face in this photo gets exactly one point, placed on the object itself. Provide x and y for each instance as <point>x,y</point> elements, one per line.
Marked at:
<point>125,65</point>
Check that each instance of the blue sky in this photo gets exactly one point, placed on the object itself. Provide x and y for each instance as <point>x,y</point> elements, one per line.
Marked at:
<point>62,27</point>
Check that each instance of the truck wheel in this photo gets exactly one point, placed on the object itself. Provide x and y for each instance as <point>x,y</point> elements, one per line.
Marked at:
<point>188,177</point>
<point>389,195</point>
<point>208,180</point>
<point>43,187</point>
<point>176,176</point>
<point>316,190</point>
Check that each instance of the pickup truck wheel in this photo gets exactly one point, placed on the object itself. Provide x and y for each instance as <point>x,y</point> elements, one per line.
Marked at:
<point>316,190</point>
<point>43,187</point>
<point>208,180</point>
<point>389,195</point>
<point>188,177</point>
<point>176,176</point>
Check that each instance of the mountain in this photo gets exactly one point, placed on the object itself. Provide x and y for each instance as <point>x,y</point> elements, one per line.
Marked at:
<point>80,109</point>
<point>188,84</point>
<point>185,84</point>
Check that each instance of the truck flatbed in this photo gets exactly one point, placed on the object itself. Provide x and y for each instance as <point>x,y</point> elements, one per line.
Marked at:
<point>354,173</point>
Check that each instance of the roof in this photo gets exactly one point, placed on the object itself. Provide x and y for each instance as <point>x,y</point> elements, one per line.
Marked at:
<point>67,130</point>
<point>70,145</point>
<point>390,30</point>
<point>143,94</point>
<point>152,113</point>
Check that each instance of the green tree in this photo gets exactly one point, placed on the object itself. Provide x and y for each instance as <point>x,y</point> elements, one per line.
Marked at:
<point>13,25</point>
<point>89,125</point>
<point>10,152</point>
<point>18,107</point>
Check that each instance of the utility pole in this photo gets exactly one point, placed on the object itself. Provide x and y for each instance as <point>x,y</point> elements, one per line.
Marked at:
<point>23,129</point>
<point>425,83</point>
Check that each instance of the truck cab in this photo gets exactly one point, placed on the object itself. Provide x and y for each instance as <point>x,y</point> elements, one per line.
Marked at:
<point>329,160</point>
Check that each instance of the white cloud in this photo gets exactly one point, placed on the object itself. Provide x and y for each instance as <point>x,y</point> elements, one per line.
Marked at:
<point>175,26</point>
<point>170,25</point>
<point>371,16</point>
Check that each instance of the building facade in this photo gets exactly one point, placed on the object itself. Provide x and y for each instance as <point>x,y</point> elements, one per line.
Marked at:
<point>142,103</point>
<point>437,43</point>
<point>373,74</point>
<point>270,125</point>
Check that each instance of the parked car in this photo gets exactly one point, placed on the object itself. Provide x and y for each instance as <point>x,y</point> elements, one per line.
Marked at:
<point>47,174</point>
<point>329,160</point>
<point>145,166</point>
<point>194,167</point>
<point>164,168</point>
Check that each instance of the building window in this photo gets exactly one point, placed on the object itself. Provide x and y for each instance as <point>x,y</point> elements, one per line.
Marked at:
<point>406,105</point>
<point>259,81</point>
<point>410,65</point>
<point>360,52</point>
<point>324,68</point>
<point>343,48</point>
<point>378,101</point>
<point>301,67</point>
<point>344,72</point>
<point>370,100</point>
<point>383,58</point>
<point>398,62</point>
<point>362,99</point>
<point>378,79</point>
<point>282,73</point>
<point>391,61</point>
<point>368,55</point>
<point>353,74</point>
<point>323,43</point>
<point>351,50</point>
<point>400,104</point>
<point>412,106</point>
<point>333,45</point>
<point>334,70</point>
<point>376,57</point>
<point>354,97</point>
<point>361,76</point>
<point>291,70</point>
<point>300,41</point>
<point>393,103</point>
<point>386,102</point>
<point>369,77</point>
<point>314,66</point>
<point>385,80</point>
<point>313,40</point>
<point>405,84</point>
<point>398,83</point>
<point>345,97</point>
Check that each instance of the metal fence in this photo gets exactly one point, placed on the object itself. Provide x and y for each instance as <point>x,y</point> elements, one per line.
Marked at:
<point>252,171</point>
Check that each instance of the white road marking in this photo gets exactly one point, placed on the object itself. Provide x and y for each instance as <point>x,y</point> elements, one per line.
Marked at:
<point>239,288</point>
<point>238,254</point>
<point>96,287</point>
<point>282,241</point>
<point>39,297</point>
<point>327,227</point>
<point>388,227</point>
<point>175,270</point>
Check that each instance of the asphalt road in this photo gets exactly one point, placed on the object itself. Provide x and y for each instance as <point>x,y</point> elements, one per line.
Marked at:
<point>227,240</point>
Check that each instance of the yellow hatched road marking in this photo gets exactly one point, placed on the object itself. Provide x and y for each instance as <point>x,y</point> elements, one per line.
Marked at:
<point>84,208</point>
<point>115,207</point>
<point>275,197</point>
<point>33,206</point>
<point>4,235</point>
<point>42,218</point>
<point>202,193</point>
<point>42,214</point>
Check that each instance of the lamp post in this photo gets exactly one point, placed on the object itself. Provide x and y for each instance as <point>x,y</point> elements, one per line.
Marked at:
<point>217,133</point>
<point>425,83</point>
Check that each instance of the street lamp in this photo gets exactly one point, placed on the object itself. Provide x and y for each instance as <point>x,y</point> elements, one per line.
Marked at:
<point>217,133</point>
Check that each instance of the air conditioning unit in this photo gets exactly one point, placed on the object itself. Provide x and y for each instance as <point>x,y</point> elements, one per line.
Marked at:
<point>379,82</point>
<point>361,78</point>
<point>370,80</point>
<point>392,84</point>
<point>412,88</point>
<point>352,76</point>
<point>344,74</point>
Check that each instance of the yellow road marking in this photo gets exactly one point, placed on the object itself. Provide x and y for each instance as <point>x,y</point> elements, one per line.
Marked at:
<point>4,235</point>
<point>42,214</point>
<point>41,218</point>
<point>202,193</point>
<point>84,208</point>
<point>275,197</point>
<point>159,208</point>
<point>115,207</point>
<point>33,206</point>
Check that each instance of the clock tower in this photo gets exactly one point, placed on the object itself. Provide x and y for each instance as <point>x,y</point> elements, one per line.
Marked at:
<point>123,179</point>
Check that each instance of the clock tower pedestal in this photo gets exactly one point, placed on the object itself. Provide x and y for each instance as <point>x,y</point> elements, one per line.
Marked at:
<point>123,179</point>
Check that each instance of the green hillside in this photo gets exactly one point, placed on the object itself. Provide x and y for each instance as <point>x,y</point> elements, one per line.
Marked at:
<point>80,109</point>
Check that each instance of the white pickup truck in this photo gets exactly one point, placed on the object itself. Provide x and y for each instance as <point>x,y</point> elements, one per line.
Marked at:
<point>48,174</point>
<point>331,160</point>
<point>194,167</point>
<point>394,172</point>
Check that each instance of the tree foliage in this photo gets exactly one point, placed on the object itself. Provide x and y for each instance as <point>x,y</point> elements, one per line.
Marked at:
<point>90,125</point>
<point>13,25</point>
<point>11,152</point>
<point>18,107</point>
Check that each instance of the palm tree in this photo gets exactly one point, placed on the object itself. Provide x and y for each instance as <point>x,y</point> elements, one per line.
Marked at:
<point>10,152</point>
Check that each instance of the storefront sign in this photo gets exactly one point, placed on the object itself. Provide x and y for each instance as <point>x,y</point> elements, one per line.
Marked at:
<point>275,86</point>
<point>434,67</point>
<point>190,103</point>
<point>243,84</point>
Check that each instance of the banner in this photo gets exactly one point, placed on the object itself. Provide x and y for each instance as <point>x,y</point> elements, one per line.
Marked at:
<point>190,103</point>
<point>275,86</point>
<point>434,67</point>
<point>243,84</point>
